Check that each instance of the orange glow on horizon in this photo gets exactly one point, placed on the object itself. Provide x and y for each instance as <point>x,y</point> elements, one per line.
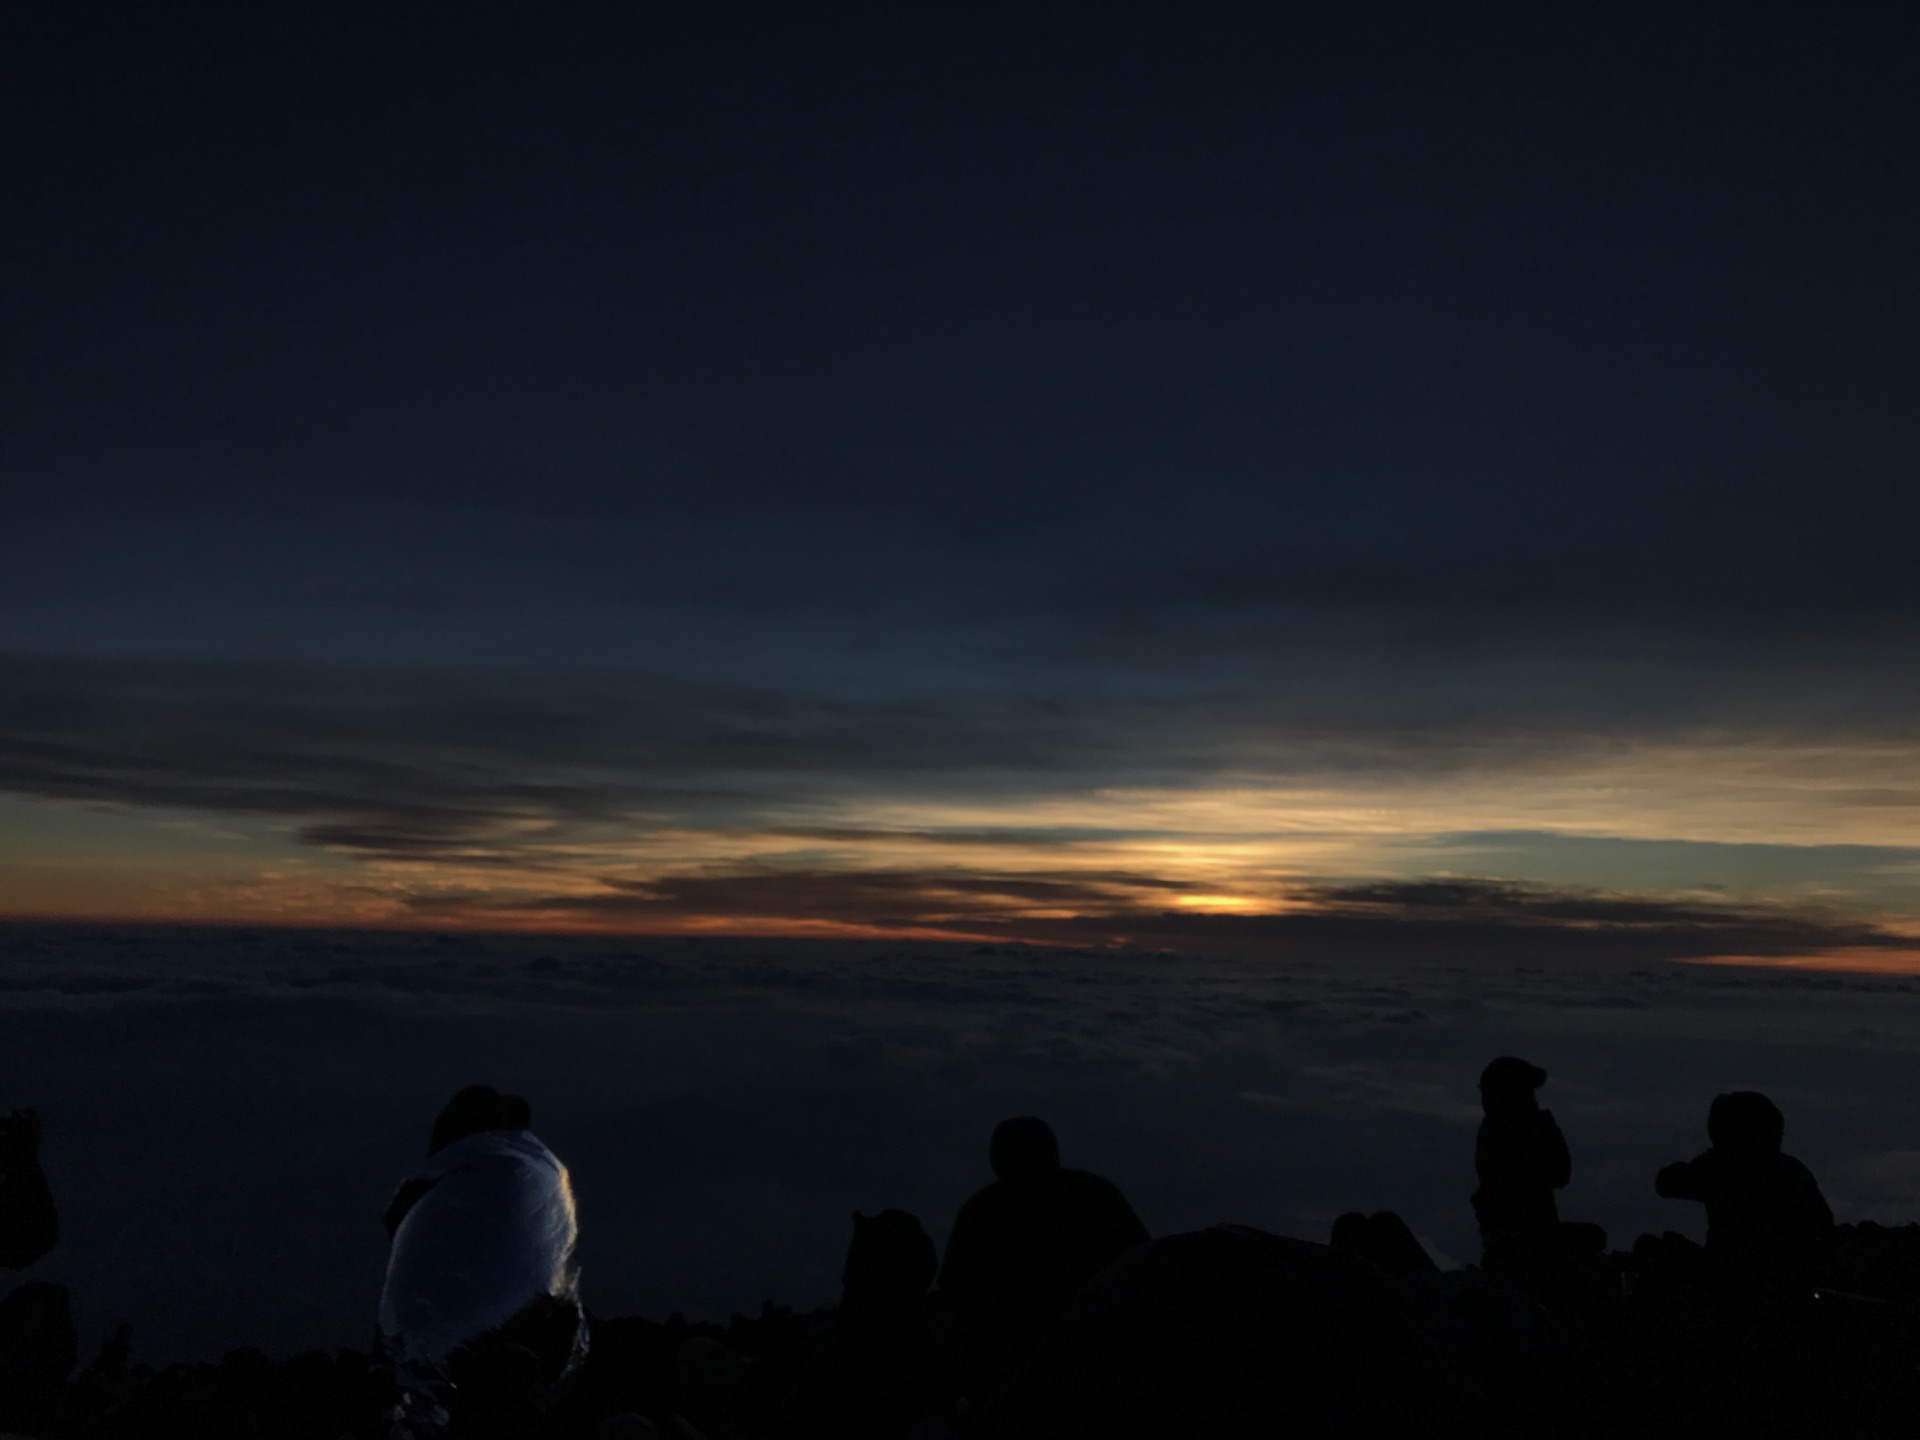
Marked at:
<point>1045,865</point>
<point>1227,905</point>
<point>1854,959</point>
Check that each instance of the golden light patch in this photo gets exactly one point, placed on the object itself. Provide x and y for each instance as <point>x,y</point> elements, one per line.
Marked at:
<point>1220,904</point>
<point>1242,843</point>
<point>1856,959</point>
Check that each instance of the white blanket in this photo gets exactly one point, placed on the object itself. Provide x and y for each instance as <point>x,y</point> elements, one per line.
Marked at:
<point>496,1231</point>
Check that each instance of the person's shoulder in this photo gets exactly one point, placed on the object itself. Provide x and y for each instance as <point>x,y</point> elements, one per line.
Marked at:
<point>1086,1178</point>
<point>983,1203</point>
<point>499,1155</point>
<point>1795,1167</point>
<point>525,1145</point>
<point>1088,1185</point>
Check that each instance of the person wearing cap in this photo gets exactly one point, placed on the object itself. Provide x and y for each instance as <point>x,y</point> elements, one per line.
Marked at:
<point>1521,1158</point>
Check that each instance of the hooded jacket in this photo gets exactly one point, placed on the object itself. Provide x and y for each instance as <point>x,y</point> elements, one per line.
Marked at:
<point>492,1230</point>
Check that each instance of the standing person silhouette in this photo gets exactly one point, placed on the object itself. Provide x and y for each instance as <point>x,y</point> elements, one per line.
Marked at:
<point>1521,1158</point>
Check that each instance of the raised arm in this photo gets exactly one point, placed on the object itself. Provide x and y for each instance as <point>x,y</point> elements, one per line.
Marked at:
<point>1681,1180</point>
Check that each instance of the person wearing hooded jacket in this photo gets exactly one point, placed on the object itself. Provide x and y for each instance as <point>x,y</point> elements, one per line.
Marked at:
<point>1766,1217</point>
<point>480,1312</point>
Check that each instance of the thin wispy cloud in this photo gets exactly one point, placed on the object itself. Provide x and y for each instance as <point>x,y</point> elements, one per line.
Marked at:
<point>1283,482</point>
<point>660,801</point>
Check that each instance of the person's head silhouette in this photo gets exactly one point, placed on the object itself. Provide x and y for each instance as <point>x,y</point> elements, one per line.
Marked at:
<point>1745,1122</point>
<point>477,1108</point>
<point>891,1263</point>
<point>1023,1148</point>
<point>1508,1083</point>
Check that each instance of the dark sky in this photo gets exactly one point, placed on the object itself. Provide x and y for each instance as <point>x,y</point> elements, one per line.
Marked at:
<point>710,465</point>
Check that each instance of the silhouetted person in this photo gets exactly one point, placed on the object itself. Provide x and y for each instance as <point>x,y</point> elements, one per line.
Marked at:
<point>480,1311</point>
<point>37,1342</point>
<point>29,1225</point>
<point>878,1369</point>
<point>1766,1216</point>
<point>1025,1245</point>
<point>1521,1158</point>
<point>472,1110</point>
<point>891,1265</point>
<point>1383,1239</point>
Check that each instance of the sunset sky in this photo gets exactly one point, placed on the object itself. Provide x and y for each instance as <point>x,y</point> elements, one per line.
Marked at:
<point>1319,474</point>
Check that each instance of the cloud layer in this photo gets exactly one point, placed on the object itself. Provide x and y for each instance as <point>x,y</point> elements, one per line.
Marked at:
<point>725,1105</point>
<point>937,469</point>
<point>664,802</point>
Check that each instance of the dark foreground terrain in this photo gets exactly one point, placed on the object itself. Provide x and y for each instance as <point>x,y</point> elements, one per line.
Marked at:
<point>1220,1332</point>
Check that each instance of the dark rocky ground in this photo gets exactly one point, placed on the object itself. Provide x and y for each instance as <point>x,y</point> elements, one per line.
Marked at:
<point>1225,1332</point>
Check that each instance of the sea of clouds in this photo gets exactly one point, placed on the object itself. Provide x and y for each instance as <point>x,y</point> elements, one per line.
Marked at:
<point>227,1111</point>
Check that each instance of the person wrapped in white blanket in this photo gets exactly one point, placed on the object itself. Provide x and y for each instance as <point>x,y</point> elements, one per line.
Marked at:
<point>480,1315</point>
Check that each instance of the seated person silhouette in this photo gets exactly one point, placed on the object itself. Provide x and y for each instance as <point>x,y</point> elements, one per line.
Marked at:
<point>480,1314</point>
<point>1766,1217</point>
<point>878,1368</point>
<point>37,1340</point>
<point>29,1224</point>
<point>1521,1158</point>
<point>1024,1246</point>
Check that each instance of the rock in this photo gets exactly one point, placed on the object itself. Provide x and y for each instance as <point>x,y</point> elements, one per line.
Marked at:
<point>1228,1332</point>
